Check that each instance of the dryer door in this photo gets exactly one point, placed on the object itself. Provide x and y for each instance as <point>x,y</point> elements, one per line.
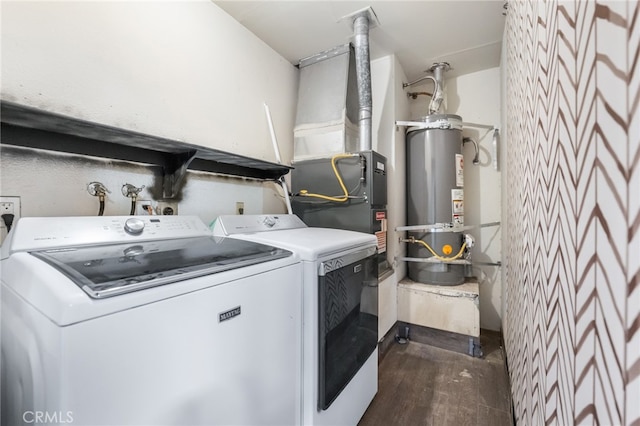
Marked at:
<point>348,320</point>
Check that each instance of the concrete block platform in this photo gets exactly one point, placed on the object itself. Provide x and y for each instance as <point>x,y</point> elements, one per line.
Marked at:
<point>454,309</point>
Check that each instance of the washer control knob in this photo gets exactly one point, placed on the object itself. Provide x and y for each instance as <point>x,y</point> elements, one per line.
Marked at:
<point>269,222</point>
<point>134,226</point>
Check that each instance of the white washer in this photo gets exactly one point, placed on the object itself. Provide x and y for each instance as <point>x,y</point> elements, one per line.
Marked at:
<point>147,320</point>
<point>340,311</point>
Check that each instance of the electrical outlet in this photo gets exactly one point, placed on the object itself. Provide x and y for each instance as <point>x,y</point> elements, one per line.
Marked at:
<point>167,208</point>
<point>145,207</point>
<point>10,205</point>
<point>239,207</point>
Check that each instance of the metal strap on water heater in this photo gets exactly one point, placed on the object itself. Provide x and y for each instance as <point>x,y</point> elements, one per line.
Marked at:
<point>438,124</point>
<point>444,227</point>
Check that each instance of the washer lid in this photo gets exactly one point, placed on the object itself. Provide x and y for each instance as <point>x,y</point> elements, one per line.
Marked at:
<point>110,270</point>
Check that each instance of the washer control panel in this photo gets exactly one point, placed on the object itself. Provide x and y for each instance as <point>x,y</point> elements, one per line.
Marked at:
<point>37,233</point>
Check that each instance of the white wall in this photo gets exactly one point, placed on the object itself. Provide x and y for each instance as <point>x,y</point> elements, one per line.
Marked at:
<point>476,98</point>
<point>53,184</point>
<point>390,103</point>
<point>181,70</point>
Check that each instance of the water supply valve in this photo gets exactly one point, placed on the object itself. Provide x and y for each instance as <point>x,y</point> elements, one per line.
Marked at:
<point>97,189</point>
<point>131,191</point>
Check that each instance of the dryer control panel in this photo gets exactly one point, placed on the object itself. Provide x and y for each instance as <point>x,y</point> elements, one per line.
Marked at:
<point>244,224</point>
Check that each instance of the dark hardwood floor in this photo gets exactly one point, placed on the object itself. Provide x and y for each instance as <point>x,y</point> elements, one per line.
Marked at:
<point>419,384</point>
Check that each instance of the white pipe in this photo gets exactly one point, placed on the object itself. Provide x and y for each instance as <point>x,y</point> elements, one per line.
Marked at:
<point>495,149</point>
<point>287,200</point>
<point>274,141</point>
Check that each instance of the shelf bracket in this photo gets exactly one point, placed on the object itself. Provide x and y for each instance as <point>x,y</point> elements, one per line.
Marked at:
<point>174,171</point>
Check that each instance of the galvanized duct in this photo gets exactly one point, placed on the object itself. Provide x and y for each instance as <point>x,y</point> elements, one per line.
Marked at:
<point>363,76</point>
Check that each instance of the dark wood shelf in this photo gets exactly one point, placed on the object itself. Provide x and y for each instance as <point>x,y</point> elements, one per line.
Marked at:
<point>34,128</point>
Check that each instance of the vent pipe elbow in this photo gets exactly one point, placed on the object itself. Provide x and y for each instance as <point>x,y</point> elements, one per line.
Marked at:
<point>363,77</point>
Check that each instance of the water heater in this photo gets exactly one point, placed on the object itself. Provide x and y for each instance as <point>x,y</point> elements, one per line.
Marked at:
<point>435,196</point>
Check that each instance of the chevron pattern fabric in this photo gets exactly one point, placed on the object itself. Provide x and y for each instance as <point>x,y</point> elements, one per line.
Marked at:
<point>572,265</point>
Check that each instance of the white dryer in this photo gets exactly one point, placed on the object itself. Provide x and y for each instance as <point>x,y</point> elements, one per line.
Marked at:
<point>340,311</point>
<point>147,321</point>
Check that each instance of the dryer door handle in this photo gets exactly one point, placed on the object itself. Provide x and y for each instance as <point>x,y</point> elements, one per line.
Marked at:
<point>342,261</point>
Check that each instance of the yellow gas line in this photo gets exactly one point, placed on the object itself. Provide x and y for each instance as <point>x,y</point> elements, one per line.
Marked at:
<point>436,255</point>
<point>341,199</point>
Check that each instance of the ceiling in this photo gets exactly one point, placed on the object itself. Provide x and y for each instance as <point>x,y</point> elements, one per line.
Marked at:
<point>467,34</point>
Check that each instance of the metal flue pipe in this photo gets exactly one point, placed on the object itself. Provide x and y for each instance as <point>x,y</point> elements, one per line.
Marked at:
<point>438,70</point>
<point>363,77</point>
